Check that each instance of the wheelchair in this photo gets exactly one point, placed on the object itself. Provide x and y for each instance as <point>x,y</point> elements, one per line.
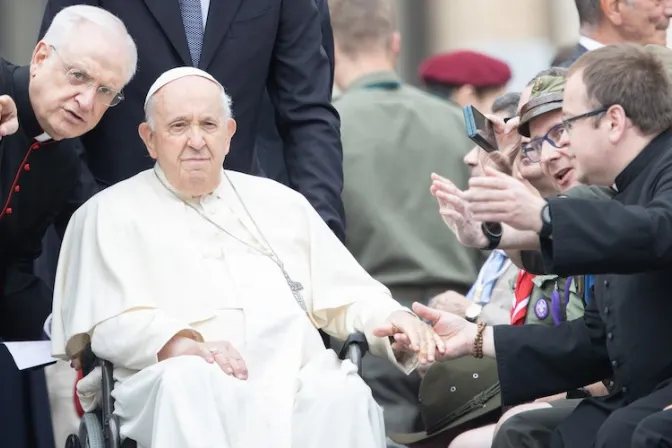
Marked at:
<point>100,428</point>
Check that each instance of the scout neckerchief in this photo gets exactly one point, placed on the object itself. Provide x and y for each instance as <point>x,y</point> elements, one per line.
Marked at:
<point>521,297</point>
<point>267,251</point>
<point>493,268</point>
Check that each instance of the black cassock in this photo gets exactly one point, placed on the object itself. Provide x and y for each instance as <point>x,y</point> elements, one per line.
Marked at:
<point>40,185</point>
<point>625,332</point>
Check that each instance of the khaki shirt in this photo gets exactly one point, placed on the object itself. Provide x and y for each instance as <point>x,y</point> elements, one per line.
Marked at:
<point>394,137</point>
<point>539,309</point>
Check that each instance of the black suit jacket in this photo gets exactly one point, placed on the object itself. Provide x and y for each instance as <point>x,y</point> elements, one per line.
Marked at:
<point>40,185</point>
<point>270,146</point>
<point>249,46</point>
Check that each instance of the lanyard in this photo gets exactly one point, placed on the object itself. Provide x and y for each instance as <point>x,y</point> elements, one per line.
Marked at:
<point>476,294</point>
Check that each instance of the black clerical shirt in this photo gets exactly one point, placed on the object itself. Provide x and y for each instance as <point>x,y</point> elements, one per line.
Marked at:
<point>40,185</point>
<point>623,334</point>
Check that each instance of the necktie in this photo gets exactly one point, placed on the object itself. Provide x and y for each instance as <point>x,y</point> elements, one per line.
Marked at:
<point>192,18</point>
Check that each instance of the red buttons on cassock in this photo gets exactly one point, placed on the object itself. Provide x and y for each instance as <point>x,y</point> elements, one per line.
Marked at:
<point>17,189</point>
<point>8,211</point>
<point>26,167</point>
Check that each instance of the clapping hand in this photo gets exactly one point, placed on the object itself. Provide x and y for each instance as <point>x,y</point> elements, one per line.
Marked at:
<point>411,335</point>
<point>9,121</point>
<point>455,213</point>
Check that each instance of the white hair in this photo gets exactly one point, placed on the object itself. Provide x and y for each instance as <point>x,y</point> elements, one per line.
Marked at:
<point>66,22</point>
<point>150,107</point>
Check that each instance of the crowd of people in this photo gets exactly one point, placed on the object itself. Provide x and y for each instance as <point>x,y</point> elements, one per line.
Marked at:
<point>183,198</point>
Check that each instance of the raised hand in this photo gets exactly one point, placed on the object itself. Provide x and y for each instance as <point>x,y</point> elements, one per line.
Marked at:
<point>455,213</point>
<point>9,121</point>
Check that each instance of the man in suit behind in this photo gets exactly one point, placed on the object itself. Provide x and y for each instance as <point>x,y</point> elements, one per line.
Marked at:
<point>270,146</point>
<point>248,46</point>
<point>605,23</point>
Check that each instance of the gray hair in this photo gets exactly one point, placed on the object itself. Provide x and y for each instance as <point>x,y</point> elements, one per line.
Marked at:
<point>507,103</point>
<point>68,19</point>
<point>150,108</point>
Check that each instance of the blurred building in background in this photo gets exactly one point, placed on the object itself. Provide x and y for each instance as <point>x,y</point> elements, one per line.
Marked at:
<point>525,33</point>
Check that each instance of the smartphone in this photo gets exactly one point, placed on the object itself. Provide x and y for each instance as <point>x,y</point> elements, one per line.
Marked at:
<point>480,129</point>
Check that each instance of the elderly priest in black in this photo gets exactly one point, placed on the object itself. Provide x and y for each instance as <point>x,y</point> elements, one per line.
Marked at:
<point>618,114</point>
<point>77,71</point>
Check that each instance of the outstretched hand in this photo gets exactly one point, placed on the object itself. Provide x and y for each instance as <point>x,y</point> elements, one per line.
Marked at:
<point>9,121</point>
<point>456,333</point>
<point>455,213</point>
<point>411,335</point>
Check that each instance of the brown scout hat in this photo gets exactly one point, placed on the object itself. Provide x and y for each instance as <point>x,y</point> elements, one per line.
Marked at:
<point>546,97</point>
<point>453,393</point>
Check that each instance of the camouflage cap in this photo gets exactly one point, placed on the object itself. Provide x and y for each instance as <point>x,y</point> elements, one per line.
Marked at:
<point>546,97</point>
<point>664,53</point>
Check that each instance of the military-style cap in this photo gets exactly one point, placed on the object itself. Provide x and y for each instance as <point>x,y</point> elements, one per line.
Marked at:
<point>546,97</point>
<point>460,68</point>
<point>453,393</point>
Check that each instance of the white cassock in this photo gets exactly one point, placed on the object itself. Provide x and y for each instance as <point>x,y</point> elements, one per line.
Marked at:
<point>138,265</point>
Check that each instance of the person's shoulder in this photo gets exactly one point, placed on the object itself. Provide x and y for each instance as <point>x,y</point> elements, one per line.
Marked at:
<point>119,198</point>
<point>588,192</point>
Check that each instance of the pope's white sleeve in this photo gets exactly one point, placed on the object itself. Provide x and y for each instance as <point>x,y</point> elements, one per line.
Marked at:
<point>133,339</point>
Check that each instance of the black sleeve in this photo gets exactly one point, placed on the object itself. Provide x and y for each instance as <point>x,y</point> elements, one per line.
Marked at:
<point>299,86</point>
<point>533,262</point>
<point>536,361</point>
<point>608,237</point>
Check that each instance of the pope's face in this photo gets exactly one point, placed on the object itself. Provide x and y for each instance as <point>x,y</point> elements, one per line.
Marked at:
<point>73,85</point>
<point>192,134</point>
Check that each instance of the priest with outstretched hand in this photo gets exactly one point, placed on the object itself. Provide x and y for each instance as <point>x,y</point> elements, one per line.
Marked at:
<point>76,72</point>
<point>206,289</point>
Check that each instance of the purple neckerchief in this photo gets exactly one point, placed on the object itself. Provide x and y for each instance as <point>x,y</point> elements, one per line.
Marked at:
<point>556,306</point>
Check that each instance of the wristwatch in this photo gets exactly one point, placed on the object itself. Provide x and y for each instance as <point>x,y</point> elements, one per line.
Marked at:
<point>546,226</point>
<point>493,232</point>
<point>473,311</point>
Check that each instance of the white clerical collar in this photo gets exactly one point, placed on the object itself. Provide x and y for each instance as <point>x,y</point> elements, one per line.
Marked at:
<point>217,192</point>
<point>43,137</point>
<point>589,44</point>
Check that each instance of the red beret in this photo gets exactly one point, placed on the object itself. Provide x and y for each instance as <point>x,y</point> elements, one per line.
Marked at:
<point>459,68</point>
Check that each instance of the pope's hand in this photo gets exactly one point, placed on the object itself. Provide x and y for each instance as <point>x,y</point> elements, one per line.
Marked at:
<point>220,352</point>
<point>458,335</point>
<point>497,197</point>
<point>411,335</point>
<point>455,213</point>
<point>9,121</point>
<point>226,356</point>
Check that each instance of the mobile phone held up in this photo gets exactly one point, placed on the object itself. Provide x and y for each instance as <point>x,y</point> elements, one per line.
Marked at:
<point>480,129</point>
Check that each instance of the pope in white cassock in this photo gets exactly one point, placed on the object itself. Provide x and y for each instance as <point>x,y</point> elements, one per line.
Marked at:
<point>205,289</point>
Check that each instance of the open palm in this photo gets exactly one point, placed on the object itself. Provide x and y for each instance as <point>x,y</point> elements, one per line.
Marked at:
<point>456,332</point>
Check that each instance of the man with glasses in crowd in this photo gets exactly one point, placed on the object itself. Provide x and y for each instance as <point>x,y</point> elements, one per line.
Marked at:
<point>76,73</point>
<point>618,113</point>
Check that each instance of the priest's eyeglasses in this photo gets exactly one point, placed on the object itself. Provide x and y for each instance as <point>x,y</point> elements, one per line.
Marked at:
<point>76,77</point>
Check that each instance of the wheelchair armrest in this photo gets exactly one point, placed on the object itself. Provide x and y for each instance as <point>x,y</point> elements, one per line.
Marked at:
<point>354,349</point>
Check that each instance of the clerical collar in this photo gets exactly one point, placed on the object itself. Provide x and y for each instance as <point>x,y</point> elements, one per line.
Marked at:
<point>27,119</point>
<point>217,192</point>
<point>660,143</point>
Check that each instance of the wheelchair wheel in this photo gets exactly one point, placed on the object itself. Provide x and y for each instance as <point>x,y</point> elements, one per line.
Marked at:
<point>91,432</point>
<point>73,441</point>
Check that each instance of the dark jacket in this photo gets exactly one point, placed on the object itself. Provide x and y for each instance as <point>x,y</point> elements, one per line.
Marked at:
<point>627,243</point>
